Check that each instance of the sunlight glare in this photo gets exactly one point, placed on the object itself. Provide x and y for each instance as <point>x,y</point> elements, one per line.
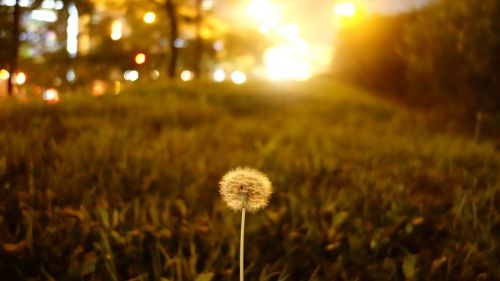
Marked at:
<point>264,12</point>
<point>264,29</point>
<point>345,9</point>
<point>289,31</point>
<point>286,62</point>
<point>207,5</point>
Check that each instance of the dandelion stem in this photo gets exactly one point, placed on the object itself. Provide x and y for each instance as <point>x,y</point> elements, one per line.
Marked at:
<point>242,242</point>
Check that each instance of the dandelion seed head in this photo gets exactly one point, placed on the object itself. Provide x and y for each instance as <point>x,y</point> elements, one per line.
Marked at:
<point>245,188</point>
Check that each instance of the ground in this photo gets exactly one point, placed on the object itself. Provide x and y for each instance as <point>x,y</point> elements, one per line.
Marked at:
<point>125,187</point>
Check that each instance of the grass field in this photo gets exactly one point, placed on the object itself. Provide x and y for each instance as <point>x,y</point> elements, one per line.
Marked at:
<point>125,187</point>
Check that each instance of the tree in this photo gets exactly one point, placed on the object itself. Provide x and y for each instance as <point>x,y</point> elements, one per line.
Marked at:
<point>11,28</point>
<point>367,52</point>
<point>5,29</point>
<point>171,9</point>
<point>199,42</point>
<point>451,50</point>
<point>14,43</point>
<point>445,54</point>
<point>168,7</point>
<point>14,47</point>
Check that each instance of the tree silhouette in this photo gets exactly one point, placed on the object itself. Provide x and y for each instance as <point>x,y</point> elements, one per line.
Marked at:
<point>14,47</point>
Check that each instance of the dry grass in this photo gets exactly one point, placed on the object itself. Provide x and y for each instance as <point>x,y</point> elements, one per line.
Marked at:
<point>125,188</point>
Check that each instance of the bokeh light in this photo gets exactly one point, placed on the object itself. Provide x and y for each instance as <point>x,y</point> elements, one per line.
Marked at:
<point>218,45</point>
<point>219,75</point>
<point>117,87</point>
<point>20,78</point>
<point>154,74</point>
<point>51,95</point>
<point>72,31</point>
<point>44,15</point>
<point>149,17</point>
<point>180,43</point>
<point>131,75</point>
<point>207,5</point>
<point>187,75</point>
<point>116,30</point>
<point>238,77</point>
<point>71,75</point>
<point>140,58</point>
<point>4,74</point>
<point>98,88</point>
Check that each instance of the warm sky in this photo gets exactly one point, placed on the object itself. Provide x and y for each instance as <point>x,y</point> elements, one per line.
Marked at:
<point>315,19</point>
<point>394,6</point>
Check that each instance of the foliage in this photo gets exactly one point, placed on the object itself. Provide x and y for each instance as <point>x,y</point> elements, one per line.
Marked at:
<point>124,187</point>
<point>443,56</point>
<point>5,37</point>
<point>452,49</point>
<point>367,52</point>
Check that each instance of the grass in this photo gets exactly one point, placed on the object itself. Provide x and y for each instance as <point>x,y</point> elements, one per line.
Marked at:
<point>125,188</point>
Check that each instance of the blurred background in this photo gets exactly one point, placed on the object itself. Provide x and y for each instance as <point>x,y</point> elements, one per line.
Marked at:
<point>426,52</point>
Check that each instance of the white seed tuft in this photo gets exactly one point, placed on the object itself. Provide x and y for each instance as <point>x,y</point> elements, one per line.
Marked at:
<point>245,188</point>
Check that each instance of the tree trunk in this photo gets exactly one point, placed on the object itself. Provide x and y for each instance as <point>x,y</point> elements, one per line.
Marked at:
<point>198,48</point>
<point>174,34</point>
<point>15,46</point>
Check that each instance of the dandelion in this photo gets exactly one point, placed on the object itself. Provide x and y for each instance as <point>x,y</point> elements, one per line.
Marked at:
<point>245,189</point>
